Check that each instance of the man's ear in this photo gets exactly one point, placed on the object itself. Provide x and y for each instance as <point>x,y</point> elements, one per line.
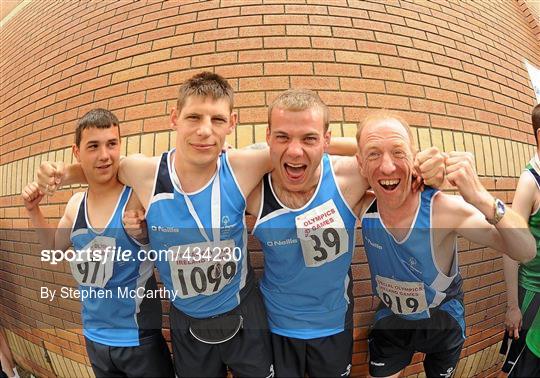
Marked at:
<point>232,123</point>
<point>76,152</point>
<point>360,163</point>
<point>268,135</point>
<point>327,138</point>
<point>173,118</point>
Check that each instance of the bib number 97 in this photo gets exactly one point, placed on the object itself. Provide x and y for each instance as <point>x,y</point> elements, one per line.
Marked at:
<point>89,271</point>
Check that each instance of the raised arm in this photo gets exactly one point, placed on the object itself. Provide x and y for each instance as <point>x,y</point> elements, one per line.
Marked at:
<point>249,166</point>
<point>138,171</point>
<point>49,236</point>
<point>510,235</point>
<point>344,146</point>
<point>352,184</point>
<point>134,220</point>
<point>52,175</point>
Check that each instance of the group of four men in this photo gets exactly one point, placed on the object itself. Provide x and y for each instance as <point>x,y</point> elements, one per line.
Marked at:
<point>306,203</point>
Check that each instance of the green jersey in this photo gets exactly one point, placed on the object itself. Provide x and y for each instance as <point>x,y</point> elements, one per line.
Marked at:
<point>529,273</point>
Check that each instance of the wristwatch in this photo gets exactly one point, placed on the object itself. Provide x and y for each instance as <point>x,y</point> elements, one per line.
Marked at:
<point>498,213</point>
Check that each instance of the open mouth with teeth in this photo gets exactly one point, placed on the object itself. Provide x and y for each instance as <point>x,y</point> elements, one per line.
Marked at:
<point>389,185</point>
<point>295,171</point>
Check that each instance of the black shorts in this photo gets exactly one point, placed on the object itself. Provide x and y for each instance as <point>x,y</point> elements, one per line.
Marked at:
<point>247,354</point>
<point>520,361</point>
<point>393,341</point>
<point>328,356</point>
<point>150,359</point>
<point>526,365</point>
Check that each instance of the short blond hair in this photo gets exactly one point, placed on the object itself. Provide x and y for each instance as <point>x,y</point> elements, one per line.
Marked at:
<point>297,100</point>
<point>382,114</point>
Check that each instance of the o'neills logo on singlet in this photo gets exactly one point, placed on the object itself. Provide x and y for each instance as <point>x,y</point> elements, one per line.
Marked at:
<point>282,242</point>
<point>373,244</point>
<point>165,229</point>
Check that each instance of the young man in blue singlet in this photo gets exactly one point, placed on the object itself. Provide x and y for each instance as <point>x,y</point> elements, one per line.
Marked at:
<point>410,242</point>
<point>305,223</point>
<point>123,333</point>
<point>194,198</point>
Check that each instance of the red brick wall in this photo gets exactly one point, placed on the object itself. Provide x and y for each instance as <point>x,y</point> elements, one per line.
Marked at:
<point>455,70</point>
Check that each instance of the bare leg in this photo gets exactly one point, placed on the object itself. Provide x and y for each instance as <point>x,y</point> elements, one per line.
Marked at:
<point>6,358</point>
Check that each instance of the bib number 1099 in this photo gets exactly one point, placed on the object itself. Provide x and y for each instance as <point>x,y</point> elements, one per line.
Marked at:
<point>199,280</point>
<point>203,268</point>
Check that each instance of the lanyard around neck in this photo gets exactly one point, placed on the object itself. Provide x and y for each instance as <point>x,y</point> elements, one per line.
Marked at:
<point>215,207</point>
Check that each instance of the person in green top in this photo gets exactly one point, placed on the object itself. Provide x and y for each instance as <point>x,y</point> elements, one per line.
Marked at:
<point>523,281</point>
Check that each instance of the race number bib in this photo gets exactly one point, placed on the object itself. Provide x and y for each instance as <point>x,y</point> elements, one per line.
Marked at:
<point>94,263</point>
<point>403,298</point>
<point>322,234</point>
<point>203,268</point>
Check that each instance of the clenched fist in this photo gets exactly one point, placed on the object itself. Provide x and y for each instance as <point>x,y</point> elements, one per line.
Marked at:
<point>135,225</point>
<point>49,176</point>
<point>460,172</point>
<point>430,164</point>
<point>32,196</point>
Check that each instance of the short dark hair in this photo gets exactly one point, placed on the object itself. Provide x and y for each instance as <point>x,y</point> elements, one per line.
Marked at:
<point>535,116</point>
<point>99,118</point>
<point>205,84</point>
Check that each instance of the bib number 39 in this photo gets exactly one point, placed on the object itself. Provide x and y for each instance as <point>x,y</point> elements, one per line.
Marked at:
<point>322,234</point>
